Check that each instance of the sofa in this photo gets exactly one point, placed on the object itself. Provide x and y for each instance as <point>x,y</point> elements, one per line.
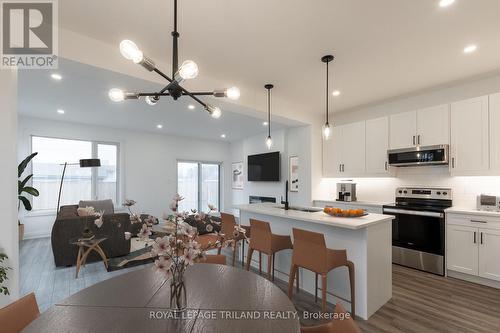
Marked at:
<point>69,226</point>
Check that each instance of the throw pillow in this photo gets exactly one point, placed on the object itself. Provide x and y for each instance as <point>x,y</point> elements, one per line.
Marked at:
<point>205,224</point>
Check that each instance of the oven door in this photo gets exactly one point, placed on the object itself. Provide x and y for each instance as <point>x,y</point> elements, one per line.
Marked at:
<point>418,230</point>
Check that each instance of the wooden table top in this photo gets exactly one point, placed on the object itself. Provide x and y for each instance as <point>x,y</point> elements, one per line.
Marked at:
<point>220,299</point>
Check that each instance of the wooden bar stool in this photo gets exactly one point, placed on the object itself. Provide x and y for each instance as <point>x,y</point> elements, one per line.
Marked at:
<point>264,241</point>
<point>228,224</point>
<point>310,252</point>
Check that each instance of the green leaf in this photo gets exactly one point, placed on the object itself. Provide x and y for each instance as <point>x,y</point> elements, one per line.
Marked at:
<point>26,202</point>
<point>31,190</point>
<point>24,164</point>
<point>25,181</point>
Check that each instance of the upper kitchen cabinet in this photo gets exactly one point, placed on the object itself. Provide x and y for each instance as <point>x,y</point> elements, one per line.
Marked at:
<point>433,125</point>
<point>403,129</point>
<point>344,153</point>
<point>425,127</point>
<point>377,143</point>
<point>469,149</point>
<point>494,111</point>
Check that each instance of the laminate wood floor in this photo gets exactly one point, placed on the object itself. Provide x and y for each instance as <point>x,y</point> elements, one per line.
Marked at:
<point>421,302</point>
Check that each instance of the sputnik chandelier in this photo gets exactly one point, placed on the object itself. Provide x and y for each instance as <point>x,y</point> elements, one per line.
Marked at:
<point>188,70</point>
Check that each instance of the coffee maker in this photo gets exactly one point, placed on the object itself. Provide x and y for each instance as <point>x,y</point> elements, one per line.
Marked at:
<point>346,191</point>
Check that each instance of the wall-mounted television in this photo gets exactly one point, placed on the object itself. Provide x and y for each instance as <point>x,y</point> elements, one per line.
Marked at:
<point>264,167</point>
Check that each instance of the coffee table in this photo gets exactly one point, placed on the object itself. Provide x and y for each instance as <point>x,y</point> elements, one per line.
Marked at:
<point>85,246</point>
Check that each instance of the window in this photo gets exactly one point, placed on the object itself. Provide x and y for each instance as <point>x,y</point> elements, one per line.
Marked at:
<point>199,184</point>
<point>79,183</point>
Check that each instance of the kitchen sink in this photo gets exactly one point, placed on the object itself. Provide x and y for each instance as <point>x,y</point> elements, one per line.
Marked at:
<point>304,209</point>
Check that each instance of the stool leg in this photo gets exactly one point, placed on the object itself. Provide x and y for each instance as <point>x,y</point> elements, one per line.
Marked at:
<point>235,248</point>
<point>249,257</point>
<point>219,250</point>
<point>242,252</point>
<point>269,269</point>
<point>323,292</point>
<point>273,268</point>
<point>260,262</point>
<point>350,265</point>
<point>297,279</point>
<point>316,289</point>
<point>291,277</point>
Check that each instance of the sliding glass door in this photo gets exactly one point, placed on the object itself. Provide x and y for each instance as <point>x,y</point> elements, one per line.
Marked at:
<point>199,184</point>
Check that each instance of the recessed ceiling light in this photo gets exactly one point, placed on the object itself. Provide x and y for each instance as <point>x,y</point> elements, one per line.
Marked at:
<point>336,93</point>
<point>470,48</point>
<point>265,123</point>
<point>191,107</point>
<point>60,111</point>
<point>56,76</point>
<point>446,3</point>
<point>223,136</point>
<point>159,126</point>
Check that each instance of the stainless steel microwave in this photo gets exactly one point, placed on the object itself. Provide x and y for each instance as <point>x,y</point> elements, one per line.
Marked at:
<point>419,156</point>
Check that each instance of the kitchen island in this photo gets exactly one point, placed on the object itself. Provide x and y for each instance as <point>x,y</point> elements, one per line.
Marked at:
<point>367,240</point>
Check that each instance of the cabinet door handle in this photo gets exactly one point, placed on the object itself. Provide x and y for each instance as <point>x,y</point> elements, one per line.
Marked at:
<point>414,140</point>
<point>475,237</point>
<point>418,139</point>
<point>385,165</point>
<point>453,162</point>
<point>340,167</point>
<point>343,169</point>
<point>478,221</point>
<point>481,238</point>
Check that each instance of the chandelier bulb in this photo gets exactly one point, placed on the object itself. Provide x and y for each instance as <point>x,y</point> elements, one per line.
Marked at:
<point>152,100</point>
<point>269,142</point>
<point>214,111</point>
<point>116,95</point>
<point>233,93</point>
<point>130,51</point>
<point>188,70</point>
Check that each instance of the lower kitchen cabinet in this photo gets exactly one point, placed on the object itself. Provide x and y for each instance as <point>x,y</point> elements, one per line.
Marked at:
<point>473,245</point>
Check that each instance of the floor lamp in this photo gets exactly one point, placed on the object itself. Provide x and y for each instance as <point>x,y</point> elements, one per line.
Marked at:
<point>84,163</point>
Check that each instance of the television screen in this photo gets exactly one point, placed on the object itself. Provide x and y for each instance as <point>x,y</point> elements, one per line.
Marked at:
<point>264,167</point>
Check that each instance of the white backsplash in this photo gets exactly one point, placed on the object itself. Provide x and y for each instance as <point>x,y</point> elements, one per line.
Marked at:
<point>465,189</point>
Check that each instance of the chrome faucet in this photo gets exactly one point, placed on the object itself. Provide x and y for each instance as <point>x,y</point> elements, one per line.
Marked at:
<point>287,206</point>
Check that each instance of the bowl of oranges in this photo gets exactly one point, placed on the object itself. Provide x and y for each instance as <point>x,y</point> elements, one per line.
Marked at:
<point>339,212</point>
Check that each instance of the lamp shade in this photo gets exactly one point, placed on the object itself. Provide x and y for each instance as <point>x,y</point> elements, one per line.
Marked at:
<point>90,162</point>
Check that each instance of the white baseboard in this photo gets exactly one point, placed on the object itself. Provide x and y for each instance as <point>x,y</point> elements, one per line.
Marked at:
<point>474,279</point>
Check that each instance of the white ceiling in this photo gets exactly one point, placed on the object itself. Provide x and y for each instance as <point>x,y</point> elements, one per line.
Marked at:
<point>83,95</point>
<point>383,48</point>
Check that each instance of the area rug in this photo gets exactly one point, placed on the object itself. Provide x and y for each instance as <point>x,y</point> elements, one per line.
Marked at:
<point>116,263</point>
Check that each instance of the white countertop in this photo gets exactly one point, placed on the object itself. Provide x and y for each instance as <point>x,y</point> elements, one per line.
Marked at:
<point>356,203</point>
<point>316,217</point>
<point>471,211</point>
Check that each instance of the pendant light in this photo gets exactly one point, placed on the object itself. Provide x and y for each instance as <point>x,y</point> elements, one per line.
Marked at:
<point>269,141</point>
<point>326,127</point>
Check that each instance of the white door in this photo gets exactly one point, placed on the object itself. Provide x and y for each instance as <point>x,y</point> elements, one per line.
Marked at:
<point>489,254</point>
<point>332,152</point>
<point>353,148</point>
<point>377,143</point>
<point>494,108</point>
<point>462,249</point>
<point>403,130</point>
<point>469,136</point>
<point>433,125</point>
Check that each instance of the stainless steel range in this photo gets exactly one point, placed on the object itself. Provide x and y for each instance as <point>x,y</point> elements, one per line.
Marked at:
<point>418,231</point>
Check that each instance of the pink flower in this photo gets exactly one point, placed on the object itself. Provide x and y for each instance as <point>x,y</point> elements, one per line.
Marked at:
<point>129,202</point>
<point>144,233</point>
<point>212,207</point>
<point>178,198</point>
<point>128,235</point>
<point>173,206</point>
<point>163,266</point>
<point>161,246</point>
<point>87,211</point>
<point>189,256</point>
<point>135,218</point>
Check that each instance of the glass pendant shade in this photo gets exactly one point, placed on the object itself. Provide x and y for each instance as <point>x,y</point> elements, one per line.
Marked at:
<point>327,131</point>
<point>269,142</point>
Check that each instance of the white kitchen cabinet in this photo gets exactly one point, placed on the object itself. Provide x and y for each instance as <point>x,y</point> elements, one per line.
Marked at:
<point>377,143</point>
<point>403,129</point>
<point>494,112</point>
<point>489,254</point>
<point>433,125</point>
<point>353,148</point>
<point>469,149</point>
<point>344,152</point>
<point>462,249</point>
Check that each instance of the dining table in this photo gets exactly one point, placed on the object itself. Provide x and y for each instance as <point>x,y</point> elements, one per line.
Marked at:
<point>219,298</point>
